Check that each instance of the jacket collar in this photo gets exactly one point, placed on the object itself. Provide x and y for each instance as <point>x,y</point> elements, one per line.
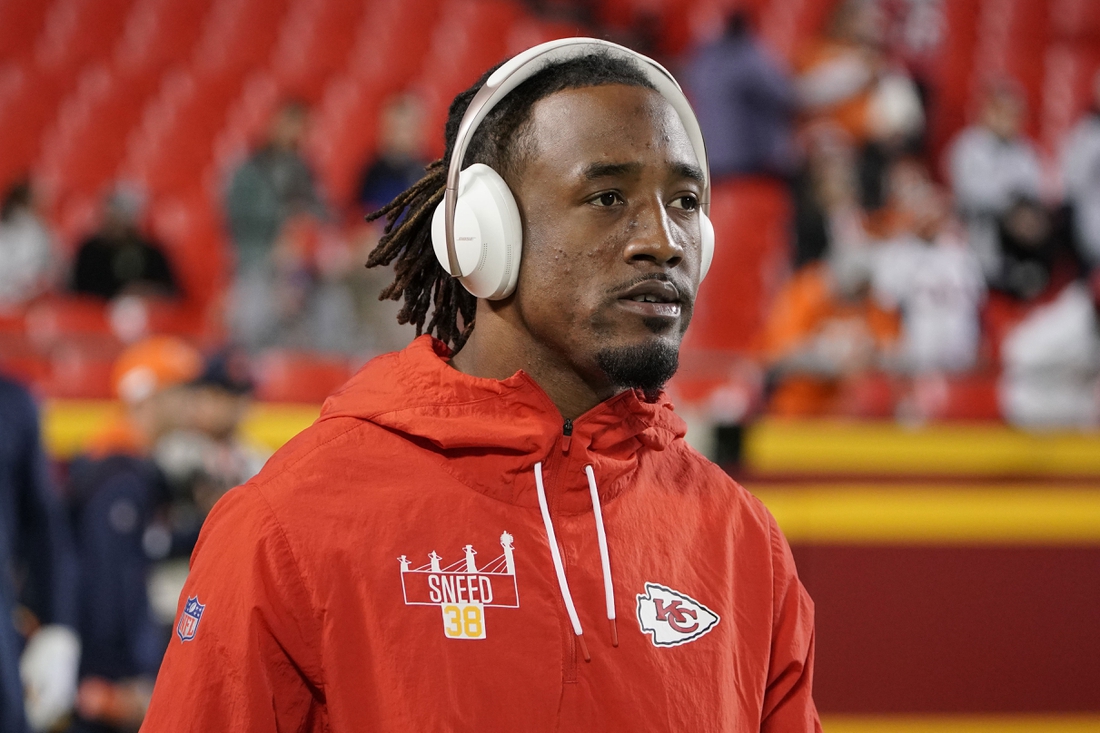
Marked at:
<point>490,433</point>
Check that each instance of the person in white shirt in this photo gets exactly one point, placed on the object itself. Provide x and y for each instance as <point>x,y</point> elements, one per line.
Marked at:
<point>991,165</point>
<point>930,276</point>
<point>1051,376</point>
<point>26,249</point>
<point>1081,177</point>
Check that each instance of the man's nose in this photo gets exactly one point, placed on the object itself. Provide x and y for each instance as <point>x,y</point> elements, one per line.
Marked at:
<point>652,237</point>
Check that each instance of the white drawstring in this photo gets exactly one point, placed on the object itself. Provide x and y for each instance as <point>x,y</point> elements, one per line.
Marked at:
<point>558,567</point>
<point>605,559</point>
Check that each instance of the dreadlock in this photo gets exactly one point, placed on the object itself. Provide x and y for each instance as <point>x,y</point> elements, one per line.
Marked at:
<point>499,143</point>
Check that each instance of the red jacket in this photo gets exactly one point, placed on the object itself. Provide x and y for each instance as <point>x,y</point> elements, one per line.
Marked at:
<point>389,570</point>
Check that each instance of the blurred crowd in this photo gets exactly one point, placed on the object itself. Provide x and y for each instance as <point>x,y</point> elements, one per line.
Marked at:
<point>103,546</point>
<point>909,267</point>
<point>99,547</point>
<point>298,279</point>
<point>906,268</point>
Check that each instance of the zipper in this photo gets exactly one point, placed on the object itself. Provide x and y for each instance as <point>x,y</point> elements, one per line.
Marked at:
<point>566,436</point>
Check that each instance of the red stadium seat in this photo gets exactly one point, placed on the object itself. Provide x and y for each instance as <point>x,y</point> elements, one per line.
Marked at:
<point>343,135</point>
<point>80,32</point>
<point>174,143</point>
<point>528,32</point>
<point>20,360</point>
<point>392,41</point>
<point>160,32</point>
<point>1076,21</point>
<point>86,145</point>
<point>66,318</point>
<point>196,245</point>
<point>471,37</point>
<point>750,218</point>
<point>238,34</point>
<point>971,397</point>
<point>76,216</point>
<point>314,42</point>
<point>20,25</point>
<point>81,369</point>
<point>289,376</point>
<point>31,106</point>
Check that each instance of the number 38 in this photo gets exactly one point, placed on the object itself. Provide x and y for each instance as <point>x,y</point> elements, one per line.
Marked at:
<point>463,622</point>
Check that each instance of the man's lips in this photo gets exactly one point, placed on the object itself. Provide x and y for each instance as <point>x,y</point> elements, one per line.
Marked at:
<point>652,299</point>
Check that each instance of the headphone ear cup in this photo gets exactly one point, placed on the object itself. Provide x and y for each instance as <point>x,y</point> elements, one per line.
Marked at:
<point>488,234</point>
<point>706,248</point>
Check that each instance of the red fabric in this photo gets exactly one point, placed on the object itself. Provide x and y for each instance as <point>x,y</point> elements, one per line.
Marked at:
<point>305,626</point>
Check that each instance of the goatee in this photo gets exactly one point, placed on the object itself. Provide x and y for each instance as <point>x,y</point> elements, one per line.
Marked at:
<point>645,367</point>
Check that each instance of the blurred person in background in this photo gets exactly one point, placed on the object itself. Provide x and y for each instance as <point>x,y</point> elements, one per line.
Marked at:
<point>837,74</point>
<point>272,190</point>
<point>827,213</point>
<point>398,164</point>
<point>824,332</point>
<point>119,259</point>
<point>399,161</point>
<point>746,103</point>
<point>208,456</point>
<point>846,79</point>
<point>38,577</point>
<point>1051,374</point>
<point>992,166</point>
<point>1081,176</point>
<point>1037,257</point>
<point>201,461</point>
<point>114,492</point>
<point>926,272</point>
<point>27,263</point>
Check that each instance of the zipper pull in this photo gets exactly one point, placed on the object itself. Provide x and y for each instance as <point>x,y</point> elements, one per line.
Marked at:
<point>566,435</point>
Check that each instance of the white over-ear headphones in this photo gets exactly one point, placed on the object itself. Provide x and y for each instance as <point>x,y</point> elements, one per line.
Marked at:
<point>476,230</point>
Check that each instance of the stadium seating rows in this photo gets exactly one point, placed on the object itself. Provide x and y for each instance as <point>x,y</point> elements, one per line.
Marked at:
<point>171,92</point>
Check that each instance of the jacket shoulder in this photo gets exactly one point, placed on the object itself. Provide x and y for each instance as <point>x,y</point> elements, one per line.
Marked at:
<point>698,471</point>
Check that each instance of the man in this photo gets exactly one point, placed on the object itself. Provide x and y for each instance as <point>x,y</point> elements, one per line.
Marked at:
<point>399,161</point>
<point>27,266</point>
<point>511,535</point>
<point>271,190</point>
<point>992,165</point>
<point>115,490</point>
<point>746,104</point>
<point>118,259</point>
<point>40,678</point>
<point>1081,176</point>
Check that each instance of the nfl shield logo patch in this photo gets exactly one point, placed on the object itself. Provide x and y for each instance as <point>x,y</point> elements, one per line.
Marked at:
<point>189,619</point>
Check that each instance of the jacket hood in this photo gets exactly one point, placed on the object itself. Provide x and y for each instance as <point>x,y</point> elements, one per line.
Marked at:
<point>467,420</point>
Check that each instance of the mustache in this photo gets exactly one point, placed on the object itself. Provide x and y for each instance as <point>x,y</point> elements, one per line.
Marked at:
<point>682,285</point>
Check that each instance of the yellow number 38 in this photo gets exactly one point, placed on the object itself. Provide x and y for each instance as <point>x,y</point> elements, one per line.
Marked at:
<point>463,621</point>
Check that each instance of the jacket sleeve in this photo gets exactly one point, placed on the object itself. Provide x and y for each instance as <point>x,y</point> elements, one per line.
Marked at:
<point>251,661</point>
<point>788,699</point>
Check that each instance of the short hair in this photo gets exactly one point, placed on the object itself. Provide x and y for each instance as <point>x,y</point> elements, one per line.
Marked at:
<point>500,142</point>
<point>18,196</point>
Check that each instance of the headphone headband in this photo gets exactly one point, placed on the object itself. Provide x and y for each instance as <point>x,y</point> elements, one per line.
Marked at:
<point>522,67</point>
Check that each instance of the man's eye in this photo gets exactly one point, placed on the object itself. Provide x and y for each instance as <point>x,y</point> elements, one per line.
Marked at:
<point>690,203</point>
<point>607,199</point>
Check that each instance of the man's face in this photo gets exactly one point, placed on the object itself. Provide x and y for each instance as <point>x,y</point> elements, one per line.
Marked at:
<point>1004,114</point>
<point>608,194</point>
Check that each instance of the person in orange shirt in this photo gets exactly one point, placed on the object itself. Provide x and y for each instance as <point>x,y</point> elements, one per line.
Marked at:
<point>825,331</point>
<point>503,528</point>
<point>114,490</point>
<point>837,74</point>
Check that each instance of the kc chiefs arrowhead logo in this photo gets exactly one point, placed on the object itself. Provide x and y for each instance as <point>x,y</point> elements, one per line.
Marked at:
<point>671,617</point>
